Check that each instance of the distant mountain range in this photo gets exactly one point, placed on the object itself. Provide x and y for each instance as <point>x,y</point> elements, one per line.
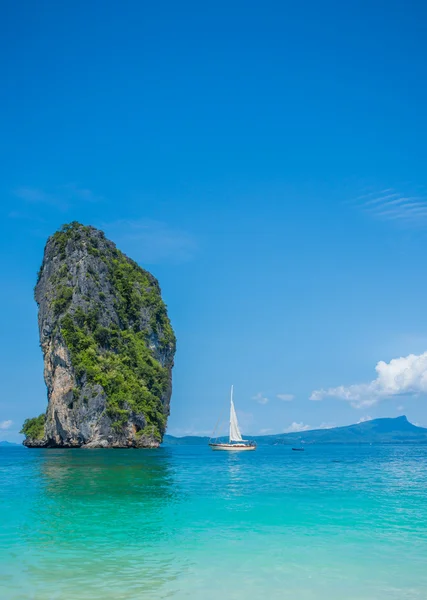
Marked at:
<point>376,431</point>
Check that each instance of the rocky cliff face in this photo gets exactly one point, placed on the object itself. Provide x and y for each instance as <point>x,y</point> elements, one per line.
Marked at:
<point>107,343</point>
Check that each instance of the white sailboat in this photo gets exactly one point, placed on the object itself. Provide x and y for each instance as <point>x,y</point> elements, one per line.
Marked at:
<point>235,440</point>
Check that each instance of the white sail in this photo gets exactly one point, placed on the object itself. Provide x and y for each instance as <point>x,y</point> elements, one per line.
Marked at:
<point>235,435</point>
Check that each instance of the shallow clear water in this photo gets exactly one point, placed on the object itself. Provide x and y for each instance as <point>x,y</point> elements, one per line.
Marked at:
<point>329,523</point>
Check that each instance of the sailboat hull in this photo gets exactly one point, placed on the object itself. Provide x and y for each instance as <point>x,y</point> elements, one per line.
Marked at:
<point>232,447</point>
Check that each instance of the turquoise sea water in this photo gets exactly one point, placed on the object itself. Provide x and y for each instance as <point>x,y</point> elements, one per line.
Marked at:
<point>333,522</point>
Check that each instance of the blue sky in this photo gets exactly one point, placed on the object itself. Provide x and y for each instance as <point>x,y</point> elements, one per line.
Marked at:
<point>266,161</point>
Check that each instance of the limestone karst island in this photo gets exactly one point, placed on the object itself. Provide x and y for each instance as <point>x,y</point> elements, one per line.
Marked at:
<point>107,343</point>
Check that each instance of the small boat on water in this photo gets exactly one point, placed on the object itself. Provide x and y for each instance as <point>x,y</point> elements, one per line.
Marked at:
<point>298,448</point>
<point>235,441</point>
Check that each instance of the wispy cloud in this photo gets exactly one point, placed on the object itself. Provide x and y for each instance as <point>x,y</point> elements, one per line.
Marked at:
<point>152,242</point>
<point>286,397</point>
<point>367,195</point>
<point>401,376</point>
<point>260,398</point>
<point>6,424</point>
<point>179,432</point>
<point>25,216</point>
<point>394,205</point>
<point>265,431</point>
<point>61,197</point>
<point>38,196</point>
<point>77,192</point>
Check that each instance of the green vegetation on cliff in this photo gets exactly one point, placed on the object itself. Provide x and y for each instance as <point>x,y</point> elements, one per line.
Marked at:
<point>34,428</point>
<point>118,357</point>
<point>120,362</point>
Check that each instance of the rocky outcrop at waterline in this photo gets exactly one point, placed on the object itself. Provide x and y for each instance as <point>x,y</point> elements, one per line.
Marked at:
<point>107,343</point>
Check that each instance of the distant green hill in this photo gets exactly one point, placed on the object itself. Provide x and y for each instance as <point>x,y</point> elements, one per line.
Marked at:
<point>8,444</point>
<point>377,431</point>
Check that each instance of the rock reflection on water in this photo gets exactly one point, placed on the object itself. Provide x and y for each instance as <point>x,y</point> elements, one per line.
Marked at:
<point>144,474</point>
<point>98,522</point>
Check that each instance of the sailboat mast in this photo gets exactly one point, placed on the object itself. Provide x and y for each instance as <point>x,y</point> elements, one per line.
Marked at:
<point>231,408</point>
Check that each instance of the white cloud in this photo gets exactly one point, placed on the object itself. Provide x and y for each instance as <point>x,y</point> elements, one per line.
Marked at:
<point>265,431</point>
<point>5,424</point>
<point>364,419</point>
<point>400,408</point>
<point>286,397</point>
<point>260,398</point>
<point>405,375</point>
<point>294,427</point>
<point>301,427</point>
